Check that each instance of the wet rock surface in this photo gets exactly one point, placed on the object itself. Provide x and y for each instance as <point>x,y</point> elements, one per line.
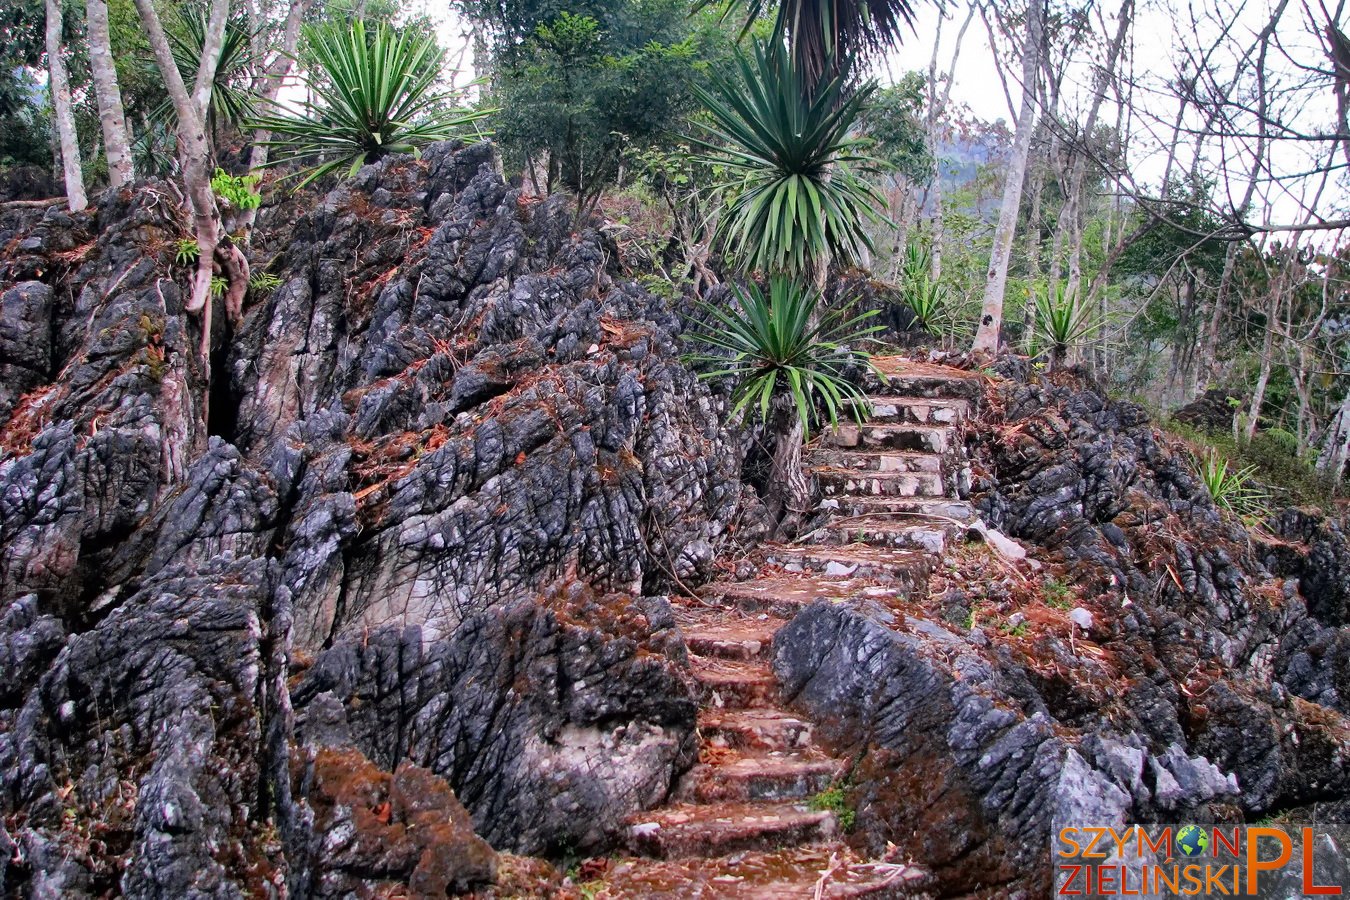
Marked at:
<point>453,404</point>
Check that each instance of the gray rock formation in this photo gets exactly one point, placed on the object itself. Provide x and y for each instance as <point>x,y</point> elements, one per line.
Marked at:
<point>451,406</point>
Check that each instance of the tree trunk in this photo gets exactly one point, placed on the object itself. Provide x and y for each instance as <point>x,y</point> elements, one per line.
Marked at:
<point>1336,447</point>
<point>937,106</point>
<point>111,116</point>
<point>790,492</point>
<point>59,83</point>
<point>991,314</point>
<point>195,157</point>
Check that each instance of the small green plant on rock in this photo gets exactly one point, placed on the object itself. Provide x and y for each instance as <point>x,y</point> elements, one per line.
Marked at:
<point>835,801</point>
<point>239,191</point>
<point>186,251</point>
<point>1057,593</point>
<point>263,282</point>
<point>1233,489</point>
<point>927,300</point>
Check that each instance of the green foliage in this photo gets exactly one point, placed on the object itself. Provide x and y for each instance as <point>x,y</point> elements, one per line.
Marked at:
<point>186,252</point>
<point>263,282</point>
<point>219,286</point>
<point>893,120</point>
<point>826,34</point>
<point>377,95</point>
<point>836,801</point>
<point>1232,488</point>
<point>1057,593</point>
<point>791,178</point>
<point>586,86</point>
<point>1061,322</point>
<point>231,97</point>
<point>774,347</point>
<point>1272,458</point>
<point>239,191</point>
<point>927,300</point>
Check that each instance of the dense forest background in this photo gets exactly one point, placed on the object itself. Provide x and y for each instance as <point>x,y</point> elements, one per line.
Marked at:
<point>1162,203</point>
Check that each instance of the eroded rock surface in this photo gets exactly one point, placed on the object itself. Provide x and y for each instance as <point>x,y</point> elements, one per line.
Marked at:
<point>453,402</point>
<point>1159,662</point>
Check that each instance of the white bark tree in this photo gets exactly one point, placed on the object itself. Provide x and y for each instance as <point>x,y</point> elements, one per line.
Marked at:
<point>996,282</point>
<point>194,150</point>
<point>62,110</point>
<point>111,116</point>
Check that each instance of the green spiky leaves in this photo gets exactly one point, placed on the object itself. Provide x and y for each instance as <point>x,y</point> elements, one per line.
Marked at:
<point>376,94</point>
<point>790,167</point>
<point>777,343</point>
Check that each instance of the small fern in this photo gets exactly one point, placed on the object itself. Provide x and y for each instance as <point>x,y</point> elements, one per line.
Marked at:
<point>186,252</point>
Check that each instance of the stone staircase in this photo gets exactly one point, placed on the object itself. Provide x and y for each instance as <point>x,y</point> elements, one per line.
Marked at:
<point>741,823</point>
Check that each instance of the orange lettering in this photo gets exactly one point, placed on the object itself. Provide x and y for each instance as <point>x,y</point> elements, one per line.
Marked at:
<point>1255,865</point>
<point>1066,836</point>
<point>1308,886</point>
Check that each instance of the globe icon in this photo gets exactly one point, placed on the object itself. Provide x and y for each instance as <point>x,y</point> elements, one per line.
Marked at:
<point>1192,840</point>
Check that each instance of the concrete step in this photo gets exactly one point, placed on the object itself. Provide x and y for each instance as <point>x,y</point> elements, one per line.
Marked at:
<point>918,410</point>
<point>936,439</point>
<point>911,378</point>
<point>785,595</point>
<point>685,830</point>
<point>861,482</point>
<point>794,775</point>
<point>753,729</point>
<point>874,461</point>
<point>789,874</point>
<point>908,510</point>
<point>733,683</point>
<point>905,570</point>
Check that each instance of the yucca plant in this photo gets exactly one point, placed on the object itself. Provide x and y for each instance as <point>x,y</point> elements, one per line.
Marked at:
<point>927,300</point>
<point>376,95</point>
<point>824,32</point>
<point>1060,321</point>
<point>1233,489</point>
<point>795,199</point>
<point>232,101</point>
<point>786,357</point>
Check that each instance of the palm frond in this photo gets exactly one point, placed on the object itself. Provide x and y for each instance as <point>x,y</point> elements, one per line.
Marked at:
<point>790,167</point>
<point>825,33</point>
<point>776,344</point>
<point>232,100</point>
<point>376,95</point>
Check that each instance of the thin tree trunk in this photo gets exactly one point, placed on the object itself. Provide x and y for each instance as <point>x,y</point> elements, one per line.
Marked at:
<point>937,106</point>
<point>195,157</point>
<point>111,115</point>
<point>991,315</point>
<point>59,82</point>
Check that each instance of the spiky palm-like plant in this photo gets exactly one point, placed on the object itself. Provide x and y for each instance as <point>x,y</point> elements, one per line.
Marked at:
<point>788,361</point>
<point>825,33</point>
<point>1061,321</point>
<point>795,199</point>
<point>1231,488</point>
<point>231,98</point>
<point>376,95</point>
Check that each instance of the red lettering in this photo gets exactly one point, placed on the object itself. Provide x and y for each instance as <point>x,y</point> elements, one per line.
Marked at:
<point>1064,888</point>
<point>1308,886</point>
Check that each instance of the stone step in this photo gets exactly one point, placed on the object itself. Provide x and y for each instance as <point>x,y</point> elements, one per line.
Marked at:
<point>918,410</point>
<point>931,538</point>
<point>937,439</point>
<point>902,509</point>
<point>874,461</point>
<point>905,570</point>
<point>794,775</point>
<point>785,595</point>
<point>910,378</point>
<point>753,729</point>
<point>733,683</point>
<point>684,830</point>
<point>727,634</point>
<point>861,482</point>
<point>789,874</point>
